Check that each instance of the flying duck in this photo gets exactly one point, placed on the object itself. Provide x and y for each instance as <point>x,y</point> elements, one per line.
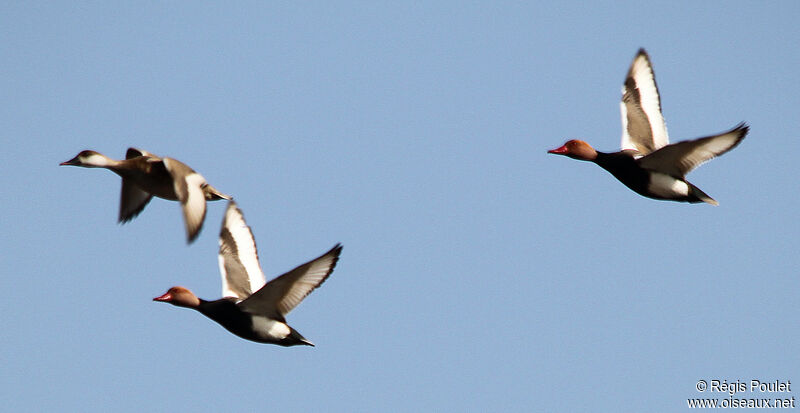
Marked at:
<point>250,308</point>
<point>647,163</point>
<point>145,175</point>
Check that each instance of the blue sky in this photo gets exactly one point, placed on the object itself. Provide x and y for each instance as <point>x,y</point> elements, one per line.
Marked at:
<point>478,272</point>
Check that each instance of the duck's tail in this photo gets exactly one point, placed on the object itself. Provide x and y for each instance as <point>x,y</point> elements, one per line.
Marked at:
<point>212,194</point>
<point>294,338</point>
<point>696,195</point>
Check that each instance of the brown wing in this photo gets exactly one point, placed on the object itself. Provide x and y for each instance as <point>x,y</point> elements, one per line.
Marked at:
<point>279,296</point>
<point>680,158</point>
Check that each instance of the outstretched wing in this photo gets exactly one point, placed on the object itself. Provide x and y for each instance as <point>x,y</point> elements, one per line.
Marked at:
<point>643,127</point>
<point>238,256</point>
<point>279,296</point>
<point>134,152</point>
<point>189,188</point>
<point>132,198</point>
<point>132,201</point>
<point>680,158</point>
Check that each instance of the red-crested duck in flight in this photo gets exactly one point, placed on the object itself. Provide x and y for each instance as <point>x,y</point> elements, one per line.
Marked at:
<point>250,308</point>
<point>145,175</point>
<point>647,163</point>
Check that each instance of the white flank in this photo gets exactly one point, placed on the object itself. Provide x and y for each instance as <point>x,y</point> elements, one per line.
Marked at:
<point>267,328</point>
<point>667,186</point>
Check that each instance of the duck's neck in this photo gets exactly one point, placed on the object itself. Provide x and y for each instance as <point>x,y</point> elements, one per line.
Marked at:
<point>99,161</point>
<point>624,167</point>
<point>616,162</point>
<point>605,159</point>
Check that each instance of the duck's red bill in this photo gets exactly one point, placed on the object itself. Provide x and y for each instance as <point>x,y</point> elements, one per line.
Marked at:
<point>560,150</point>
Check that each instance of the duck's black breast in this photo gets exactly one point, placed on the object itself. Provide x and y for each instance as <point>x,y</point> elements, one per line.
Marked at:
<point>625,168</point>
<point>227,314</point>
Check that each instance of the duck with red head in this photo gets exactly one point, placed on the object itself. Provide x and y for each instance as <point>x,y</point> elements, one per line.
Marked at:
<point>647,163</point>
<point>250,308</point>
<point>179,296</point>
<point>576,149</point>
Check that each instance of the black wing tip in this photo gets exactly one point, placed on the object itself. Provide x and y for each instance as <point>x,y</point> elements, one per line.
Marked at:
<point>232,205</point>
<point>190,238</point>
<point>643,53</point>
<point>741,130</point>
<point>192,234</point>
<point>335,251</point>
<point>133,153</point>
<point>742,127</point>
<point>629,82</point>
<point>132,214</point>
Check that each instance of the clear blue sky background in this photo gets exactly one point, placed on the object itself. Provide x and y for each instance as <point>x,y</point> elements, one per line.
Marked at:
<point>478,272</point>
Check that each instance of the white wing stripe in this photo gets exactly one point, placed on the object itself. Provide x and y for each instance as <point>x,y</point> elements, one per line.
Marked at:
<point>246,247</point>
<point>194,208</point>
<point>650,101</point>
<point>244,275</point>
<point>643,126</point>
<point>227,289</point>
<point>627,142</point>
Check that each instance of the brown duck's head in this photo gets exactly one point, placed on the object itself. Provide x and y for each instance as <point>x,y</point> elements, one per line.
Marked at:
<point>179,296</point>
<point>576,149</point>
<point>88,159</point>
